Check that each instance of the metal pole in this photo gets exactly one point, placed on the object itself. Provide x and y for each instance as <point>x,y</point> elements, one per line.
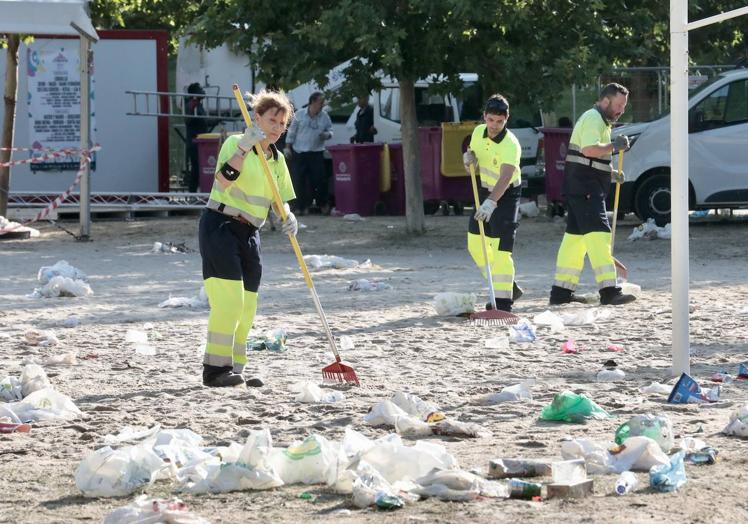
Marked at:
<point>85,132</point>
<point>679,248</point>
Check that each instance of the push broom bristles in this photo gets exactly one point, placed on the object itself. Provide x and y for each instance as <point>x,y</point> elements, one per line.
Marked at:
<point>338,372</point>
<point>493,317</point>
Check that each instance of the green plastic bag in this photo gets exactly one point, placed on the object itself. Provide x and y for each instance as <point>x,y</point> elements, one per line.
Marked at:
<point>571,407</point>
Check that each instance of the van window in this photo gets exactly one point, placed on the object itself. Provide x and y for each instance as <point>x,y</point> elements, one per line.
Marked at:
<point>431,109</point>
<point>388,104</point>
<point>339,114</point>
<point>728,105</point>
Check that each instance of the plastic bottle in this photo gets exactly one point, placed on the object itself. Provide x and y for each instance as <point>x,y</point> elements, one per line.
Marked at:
<point>626,483</point>
<point>520,489</point>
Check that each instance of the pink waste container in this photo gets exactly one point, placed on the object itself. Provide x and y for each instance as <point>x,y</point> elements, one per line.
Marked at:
<point>207,155</point>
<point>355,169</point>
<point>555,144</point>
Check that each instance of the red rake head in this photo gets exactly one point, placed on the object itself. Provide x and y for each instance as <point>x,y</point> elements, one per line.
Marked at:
<point>338,372</point>
<point>493,317</point>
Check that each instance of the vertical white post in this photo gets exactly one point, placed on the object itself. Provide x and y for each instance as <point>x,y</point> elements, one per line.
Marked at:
<point>679,182</point>
<point>85,130</point>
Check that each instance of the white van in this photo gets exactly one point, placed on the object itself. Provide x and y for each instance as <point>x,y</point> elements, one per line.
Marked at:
<point>718,153</point>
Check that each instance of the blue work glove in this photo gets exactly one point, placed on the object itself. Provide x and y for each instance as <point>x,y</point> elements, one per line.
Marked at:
<point>485,210</point>
<point>252,135</point>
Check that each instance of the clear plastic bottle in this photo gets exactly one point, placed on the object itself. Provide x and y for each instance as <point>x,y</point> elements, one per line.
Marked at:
<point>626,483</point>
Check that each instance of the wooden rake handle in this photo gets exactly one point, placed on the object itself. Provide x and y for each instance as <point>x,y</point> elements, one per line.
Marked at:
<point>278,201</point>
<point>616,199</point>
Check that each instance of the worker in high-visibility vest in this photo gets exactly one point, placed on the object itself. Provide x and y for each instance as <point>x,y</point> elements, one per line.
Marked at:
<point>495,153</point>
<point>230,239</point>
<point>587,177</point>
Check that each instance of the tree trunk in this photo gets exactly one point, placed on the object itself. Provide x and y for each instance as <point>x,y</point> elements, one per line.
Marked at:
<point>11,89</point>
<point>414,217</point>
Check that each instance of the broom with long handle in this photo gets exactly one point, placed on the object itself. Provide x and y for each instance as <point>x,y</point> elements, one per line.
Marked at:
<point>337,370</point>
<point>492,316</point>
<point>622,271</point>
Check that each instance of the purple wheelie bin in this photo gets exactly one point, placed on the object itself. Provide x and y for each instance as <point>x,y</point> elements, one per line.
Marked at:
<point>394,199</point>
<point>355,169</point>
<point>555,144</point>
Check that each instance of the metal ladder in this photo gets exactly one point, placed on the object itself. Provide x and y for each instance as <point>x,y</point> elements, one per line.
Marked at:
<point>149,103</point>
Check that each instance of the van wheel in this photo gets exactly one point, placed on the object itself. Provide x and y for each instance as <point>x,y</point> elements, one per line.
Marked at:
<point>653,199</point>
<point>459,208</point>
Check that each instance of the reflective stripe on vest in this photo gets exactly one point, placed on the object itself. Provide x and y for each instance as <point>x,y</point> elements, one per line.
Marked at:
<point>575,155</point>
<point>235,212</point>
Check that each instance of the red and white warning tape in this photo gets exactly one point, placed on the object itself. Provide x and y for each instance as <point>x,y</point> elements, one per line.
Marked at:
<point>85,158</point>
<point>50,154</point>
<point>22,149</point>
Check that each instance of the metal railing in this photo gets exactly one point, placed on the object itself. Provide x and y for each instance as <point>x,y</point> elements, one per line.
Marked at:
<point>151,103</point>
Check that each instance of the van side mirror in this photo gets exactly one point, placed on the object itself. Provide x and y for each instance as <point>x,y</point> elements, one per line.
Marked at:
<point>695,121</point>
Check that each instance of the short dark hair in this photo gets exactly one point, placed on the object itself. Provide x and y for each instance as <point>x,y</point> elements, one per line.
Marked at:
<point>316,96</point>
<point>195,89</point>
<point>613,89</point>
<point>497,105</point>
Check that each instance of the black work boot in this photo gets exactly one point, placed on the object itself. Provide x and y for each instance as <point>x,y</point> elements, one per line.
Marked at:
<point>516,292</point>
<point>612,296</point>
<point>560,295</point>
<point>220,377</point>
<point>502,304</point>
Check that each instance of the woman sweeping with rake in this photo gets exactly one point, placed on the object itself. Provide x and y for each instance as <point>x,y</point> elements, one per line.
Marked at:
<point>494,153</point>
<point>230,239</point>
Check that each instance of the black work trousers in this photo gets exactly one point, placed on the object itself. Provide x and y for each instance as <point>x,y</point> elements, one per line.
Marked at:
<point>309,179</point>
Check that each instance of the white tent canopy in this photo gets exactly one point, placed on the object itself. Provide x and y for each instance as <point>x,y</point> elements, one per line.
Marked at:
<point>46,17</point>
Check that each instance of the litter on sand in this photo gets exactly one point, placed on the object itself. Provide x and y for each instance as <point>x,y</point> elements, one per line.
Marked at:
<point>353,217</point>
<point>170,247</point>
<point>636,453</point>
<point>669,477</point>
<point>62,269</point>
<point>738,424</point>
<point>319,262</point>
<point>36,337</point>
<point>450,304</point>
<point>657,427</point>
<point>363,284</point>
<point>199,301</point>
<point>138,341</point>
<point>529,209</point>
<point>59,286</point>
<point>310,393</point>
<point>515,393</point>
<point>549,318</point>
<point>610,375</point>
<point>146,510</point>
<point>572,407</point>
<point>522,331</point>
<point>688,391</point>
<point>655,388</point>
<point>650,231</point>
<point>274,341</point>
<point>15,227</point>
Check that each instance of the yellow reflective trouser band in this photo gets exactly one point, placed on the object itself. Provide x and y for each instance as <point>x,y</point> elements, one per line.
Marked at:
<point>226,300</point>
<point>235,212</point>
<point>598,249</point>
<point>249,309</point>
<point>570,261</point>
<point>501,262</point>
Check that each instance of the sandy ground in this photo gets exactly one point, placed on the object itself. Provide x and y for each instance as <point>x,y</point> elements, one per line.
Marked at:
<point>400,345</point>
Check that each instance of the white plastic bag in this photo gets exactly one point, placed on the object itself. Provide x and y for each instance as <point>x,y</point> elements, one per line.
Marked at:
<point>639,454</point>
<point>529,209</point>
<point>61,268</point>
<point>656,389</point>
<point>610,375</point>
<point>36,337</point>
<point>451,304</point>
<point>409,426</point>
<point>384,413</point>
<point>310,393</point>
<point>549,318</point>
<point>317,262</point>
<point>45,404</point>
<point>414,405</point>
<point>64,359</point>
<point>60,286</point>
<point>395,461</point>
<point>199,301</point>
<point>369,484</point>
<point>114,473</point>
<point>146,510</point>
<point>596,455</point>
<point>11,389</point>
<point>33,378</point>
<point>515,393</point>
<point>363,284</point>
<point>313,461</point>
<point>738,425</point>
<point>584,317</point>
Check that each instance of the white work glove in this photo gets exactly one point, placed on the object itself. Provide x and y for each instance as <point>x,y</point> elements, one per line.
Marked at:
<point>618,178</point>
<point>485,210</point>
<point>291,225</point>
<point>469,158</point>
<point>620,143</point>
<point>325,135</point>
<point>252,135</point>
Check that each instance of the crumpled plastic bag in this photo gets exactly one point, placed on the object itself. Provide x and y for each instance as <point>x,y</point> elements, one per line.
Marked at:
<point>414,405</point>
<point>657,427</point>
<point>584,317</point>
<point>650,231</point>
<point>384,413</point>
<point>114,473</point>
<point>451,304</point>
<point>63,359</point>
<point>458,485</point>
<point>15,227</point>
<point>369,486</point>
<point>637,454</point>
<point>549,318</point>
<point>738,425</point>
<point>33,378</point>
<point>596,456</point>
<point>37,337</point>
<point>130,434</point>
<point>198,301</point>
<point>316,460</point>
<point>319,262</point>
<point>455,428</point>
<point>610,375</point>
<point>515,393</point>
<point>669,477</point>
<point>529,209</point>
<point>274,340</point>
<point>310,393</point>
<point>572,407</point>
<point>363,284</point>
<point>170,247</point>
<point>59,286</point>
<point>11,389</point>
<point>45,404</point>
<point>656,388</point>
<point>147,510</point>
<point>247,467</point>
<point>522,331</point>
<point>396,461</point>
<point>60,268</point>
